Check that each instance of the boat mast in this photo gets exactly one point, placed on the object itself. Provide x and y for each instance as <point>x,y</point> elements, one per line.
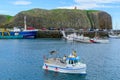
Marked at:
<point>25,26</point>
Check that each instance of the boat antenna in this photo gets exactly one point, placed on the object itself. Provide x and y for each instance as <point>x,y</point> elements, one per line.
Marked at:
<point>25,26</point>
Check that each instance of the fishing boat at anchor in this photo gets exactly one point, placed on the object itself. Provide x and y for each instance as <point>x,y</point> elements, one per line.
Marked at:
<point>26,32</point>
<point>78,38</point>
<point>114,34</point>
<point>98,39</point>
<point>67,64</point>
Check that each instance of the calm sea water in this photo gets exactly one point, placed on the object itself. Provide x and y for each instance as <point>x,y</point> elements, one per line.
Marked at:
<point>23,59</point>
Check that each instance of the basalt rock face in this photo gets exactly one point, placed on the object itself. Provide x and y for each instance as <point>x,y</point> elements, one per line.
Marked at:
<point>63,18</point>
<point>99,20</point>
<point>105,20</point>
<point>4,20</point>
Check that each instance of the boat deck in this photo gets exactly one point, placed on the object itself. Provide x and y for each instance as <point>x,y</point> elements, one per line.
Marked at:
<point>56,61</point>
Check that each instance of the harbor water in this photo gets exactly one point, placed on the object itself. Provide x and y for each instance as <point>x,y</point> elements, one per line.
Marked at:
<point>22,59</point>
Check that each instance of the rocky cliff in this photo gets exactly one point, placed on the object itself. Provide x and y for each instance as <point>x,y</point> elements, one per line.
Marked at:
<point>58,18</point>
<point>4,20</point>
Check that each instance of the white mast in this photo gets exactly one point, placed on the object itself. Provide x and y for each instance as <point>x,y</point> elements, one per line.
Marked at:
<point>25,26</point>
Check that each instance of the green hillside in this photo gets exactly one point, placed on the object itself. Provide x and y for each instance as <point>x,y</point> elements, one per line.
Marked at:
<point>67,18</point>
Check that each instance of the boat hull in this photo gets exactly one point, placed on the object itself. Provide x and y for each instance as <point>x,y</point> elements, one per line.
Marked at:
<point>70,70</point>
<point>11,37</point>
<point>25,34</point>
<point>83,40</point>
<point>114,36</point>
<point>101,40</point>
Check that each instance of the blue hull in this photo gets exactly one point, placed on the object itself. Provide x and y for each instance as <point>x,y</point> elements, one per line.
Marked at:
<point>11,37</point>
<point>25,34</point>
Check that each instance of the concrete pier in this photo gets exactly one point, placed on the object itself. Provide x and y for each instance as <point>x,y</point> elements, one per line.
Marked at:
<point>58,34</point>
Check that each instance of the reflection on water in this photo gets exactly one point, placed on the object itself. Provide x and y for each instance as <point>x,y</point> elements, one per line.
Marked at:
<point>50,75</point>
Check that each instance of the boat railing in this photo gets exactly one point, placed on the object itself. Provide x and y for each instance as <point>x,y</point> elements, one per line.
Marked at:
<point>5,32</point>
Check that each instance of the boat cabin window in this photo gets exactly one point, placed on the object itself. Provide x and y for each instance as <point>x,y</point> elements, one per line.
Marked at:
<point>73,61</point>
<point>70,61</point>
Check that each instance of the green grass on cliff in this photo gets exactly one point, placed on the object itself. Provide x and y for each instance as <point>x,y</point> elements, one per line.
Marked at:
<point>9,17</point>
<point>39,18</point>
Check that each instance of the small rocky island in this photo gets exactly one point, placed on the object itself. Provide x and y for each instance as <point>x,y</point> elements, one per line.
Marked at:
<point>55,19</point>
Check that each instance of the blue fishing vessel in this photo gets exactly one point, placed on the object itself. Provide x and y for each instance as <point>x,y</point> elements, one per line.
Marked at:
<point>26,32</point>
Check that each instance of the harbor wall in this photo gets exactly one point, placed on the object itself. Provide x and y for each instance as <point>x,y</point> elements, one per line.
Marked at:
<point>58,34</point>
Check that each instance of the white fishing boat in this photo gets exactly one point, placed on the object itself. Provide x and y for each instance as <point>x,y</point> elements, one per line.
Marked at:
<point>83,39</point>
<point>100,40</point>
<point>70,64</point>
<point>113,34</point>
<point>79,38</point>
<point>69,37</point>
